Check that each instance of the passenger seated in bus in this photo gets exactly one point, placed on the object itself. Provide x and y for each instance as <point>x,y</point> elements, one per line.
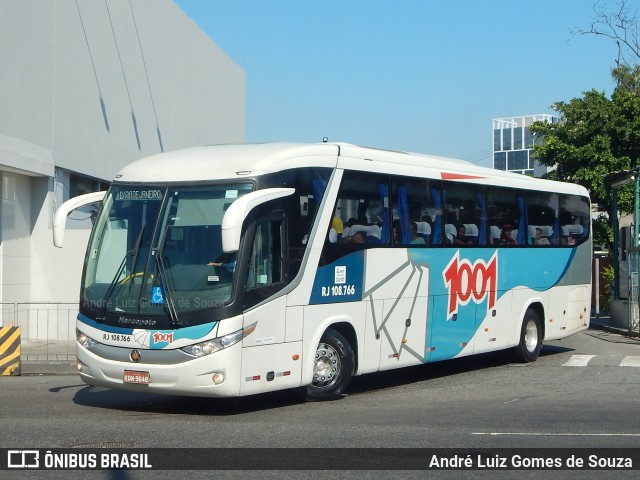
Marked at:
<point>461,236</point>
<point>396,232</point>
<point>346,231</point>
<point>539,239</point>
<point>358,237</point>
<point>337,226</point>
<point>415,239</point>
<point>494,235</point>
<point>571,231</point>
<point>570,239</point>
<point>506,240</point>
<point>471,233</point>
<point>450,233</point>
<point>372,233</point>
<point>424,231</point>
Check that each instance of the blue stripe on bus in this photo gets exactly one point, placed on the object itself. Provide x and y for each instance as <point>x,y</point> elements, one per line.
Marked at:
<point>105,328</point>
<point>192,333</point>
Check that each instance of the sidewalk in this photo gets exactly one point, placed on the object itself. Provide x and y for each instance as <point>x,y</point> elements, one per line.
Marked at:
<point>39,357</point>
<point>602,322</point>
<point>42,357</point>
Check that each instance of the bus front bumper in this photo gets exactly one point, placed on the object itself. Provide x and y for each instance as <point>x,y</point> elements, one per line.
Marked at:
<point>215,375</point>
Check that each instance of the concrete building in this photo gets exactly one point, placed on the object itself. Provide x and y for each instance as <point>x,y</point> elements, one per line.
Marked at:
<point>513,144</point>
<point>87,87</point>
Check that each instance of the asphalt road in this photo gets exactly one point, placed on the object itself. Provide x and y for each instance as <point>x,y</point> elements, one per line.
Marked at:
<point>583,391</point>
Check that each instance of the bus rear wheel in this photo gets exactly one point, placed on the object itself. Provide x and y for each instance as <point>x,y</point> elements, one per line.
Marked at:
<point>530,343</point>
<point>333,368</point>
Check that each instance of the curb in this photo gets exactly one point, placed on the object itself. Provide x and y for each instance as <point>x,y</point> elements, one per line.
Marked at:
<point>619,331</point>
<point>49,368</point>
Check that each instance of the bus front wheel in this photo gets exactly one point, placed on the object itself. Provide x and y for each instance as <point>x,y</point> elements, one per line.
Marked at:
<point>333,367</point>
<point>530,343</point>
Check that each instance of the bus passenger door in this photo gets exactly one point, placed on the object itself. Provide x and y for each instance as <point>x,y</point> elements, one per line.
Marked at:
<point>267,358</point>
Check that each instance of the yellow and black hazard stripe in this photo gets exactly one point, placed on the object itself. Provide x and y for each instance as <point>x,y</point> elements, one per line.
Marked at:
<point>9,350</point>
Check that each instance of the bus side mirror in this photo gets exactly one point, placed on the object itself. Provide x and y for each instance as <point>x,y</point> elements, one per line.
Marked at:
<point>60,218</point>
<point>238,211</point>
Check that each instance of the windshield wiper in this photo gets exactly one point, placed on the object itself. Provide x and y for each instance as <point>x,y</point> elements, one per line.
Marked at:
<point>114,282</point>
<point>112,286</point>
<point>166,290</point>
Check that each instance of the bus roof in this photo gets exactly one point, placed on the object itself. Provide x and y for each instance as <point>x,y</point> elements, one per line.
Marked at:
<point>217,162</point>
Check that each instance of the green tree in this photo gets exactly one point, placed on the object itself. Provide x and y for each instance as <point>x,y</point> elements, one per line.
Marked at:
<point>598,135</point>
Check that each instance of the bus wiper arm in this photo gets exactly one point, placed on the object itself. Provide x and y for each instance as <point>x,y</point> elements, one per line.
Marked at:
<point>112,285</point>
<point>164,283</point>
<point>131,253</point>
<point>136,249</point>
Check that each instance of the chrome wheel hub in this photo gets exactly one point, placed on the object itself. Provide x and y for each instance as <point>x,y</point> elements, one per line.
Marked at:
<point>531,336</point>
<point>326,365</point>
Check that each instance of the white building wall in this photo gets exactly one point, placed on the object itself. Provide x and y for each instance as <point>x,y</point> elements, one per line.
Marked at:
<point>88,87</point>
<point>15,249</point>
<point>101,84</point>
<point>140,72</point>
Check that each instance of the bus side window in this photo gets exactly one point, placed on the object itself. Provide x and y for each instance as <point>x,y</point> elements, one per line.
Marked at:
<point>575,219</point>
<point>361,217</point>
<point>414,209</point>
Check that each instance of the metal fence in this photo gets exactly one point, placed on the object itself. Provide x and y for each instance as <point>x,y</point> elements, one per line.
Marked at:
<point>633,260</point>
<point>47,330</point>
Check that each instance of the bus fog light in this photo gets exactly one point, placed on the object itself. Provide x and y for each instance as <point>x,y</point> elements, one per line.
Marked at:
<point>218,378</point>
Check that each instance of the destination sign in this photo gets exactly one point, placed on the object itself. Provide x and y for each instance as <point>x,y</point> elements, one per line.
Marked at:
<point>153,194</point>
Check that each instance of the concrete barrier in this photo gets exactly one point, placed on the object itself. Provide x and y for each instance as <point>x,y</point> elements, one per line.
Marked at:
<point>10,351</point>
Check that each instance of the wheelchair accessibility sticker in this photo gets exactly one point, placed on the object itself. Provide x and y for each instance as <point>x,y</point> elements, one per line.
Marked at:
<point>157,298</point>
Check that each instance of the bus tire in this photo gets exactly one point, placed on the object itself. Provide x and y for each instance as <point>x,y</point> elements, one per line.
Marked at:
<point>333,368</point>
<point>530,343</point>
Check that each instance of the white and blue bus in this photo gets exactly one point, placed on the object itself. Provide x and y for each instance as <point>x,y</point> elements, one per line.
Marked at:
<point>239,269</point>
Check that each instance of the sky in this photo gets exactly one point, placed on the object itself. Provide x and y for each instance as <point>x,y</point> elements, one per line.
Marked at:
<point>425,76</point>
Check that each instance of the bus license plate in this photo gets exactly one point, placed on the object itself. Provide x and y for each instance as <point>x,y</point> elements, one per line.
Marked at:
<point>131,376</point>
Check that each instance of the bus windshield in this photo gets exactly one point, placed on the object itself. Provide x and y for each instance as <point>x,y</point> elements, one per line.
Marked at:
<point>158,251</point>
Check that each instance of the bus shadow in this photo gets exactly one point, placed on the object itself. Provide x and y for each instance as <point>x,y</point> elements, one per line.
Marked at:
<point>446,368</point>
<point>549,350</point>
<point>144,403</point>
<point>150,403</point>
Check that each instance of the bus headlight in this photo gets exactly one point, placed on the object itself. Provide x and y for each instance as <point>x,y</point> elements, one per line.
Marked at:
<point>213,345</point>
<point>85,340</point>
